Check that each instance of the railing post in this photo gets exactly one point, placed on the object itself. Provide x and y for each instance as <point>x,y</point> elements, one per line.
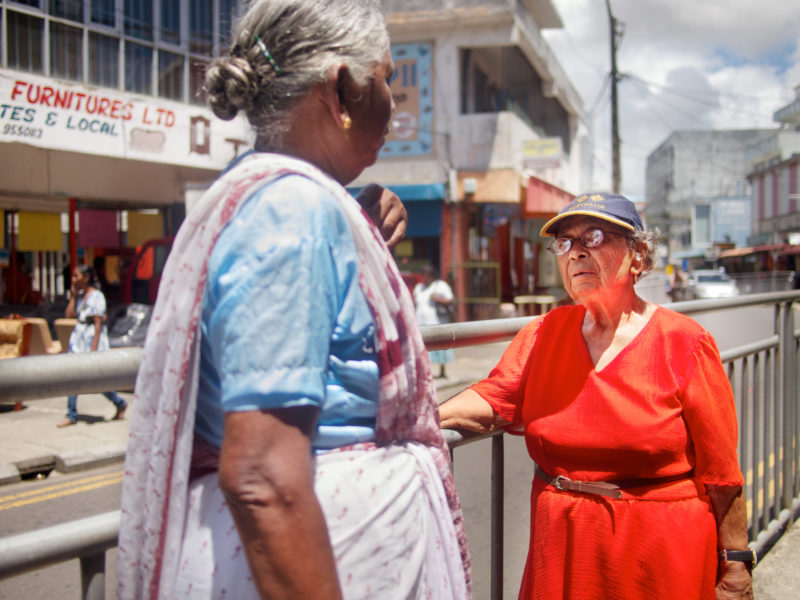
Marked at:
<point>788,377</point>
<point>93,576</point>
<point>498,496</point>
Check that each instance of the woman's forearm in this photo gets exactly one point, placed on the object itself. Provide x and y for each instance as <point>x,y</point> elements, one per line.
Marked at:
<point>98,324</point>
<point>730,512</point>
<point>69,312</point>
<point>266,474</point>
<point>468,410</point>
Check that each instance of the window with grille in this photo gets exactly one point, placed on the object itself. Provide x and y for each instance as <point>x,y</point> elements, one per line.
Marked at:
<point>138,68</point>
<point>170,75</point>
<point>66,51</point>
<point>115,44</point>
<point>103,60</point>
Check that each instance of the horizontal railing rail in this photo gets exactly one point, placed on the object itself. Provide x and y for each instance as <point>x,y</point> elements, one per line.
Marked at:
<point>763,374</point>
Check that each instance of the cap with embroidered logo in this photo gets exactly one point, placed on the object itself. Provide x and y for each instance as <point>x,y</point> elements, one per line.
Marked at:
<point>608,207</point>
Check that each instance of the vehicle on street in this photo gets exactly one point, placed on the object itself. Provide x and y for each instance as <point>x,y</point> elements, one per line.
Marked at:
<point>711,283</point>
<point>127,325</point>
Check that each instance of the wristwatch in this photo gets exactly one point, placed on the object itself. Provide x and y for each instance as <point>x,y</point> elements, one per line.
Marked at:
<point>745,556</point>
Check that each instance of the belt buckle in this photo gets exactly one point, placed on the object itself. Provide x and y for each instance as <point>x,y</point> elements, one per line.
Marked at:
<point>559,480</point>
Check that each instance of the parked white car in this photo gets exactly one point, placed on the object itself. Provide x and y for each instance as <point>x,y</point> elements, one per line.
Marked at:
<point>711,283</point>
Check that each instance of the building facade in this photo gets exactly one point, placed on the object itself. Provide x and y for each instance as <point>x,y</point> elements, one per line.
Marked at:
<point>698,193</point>
<point>773,177</point>
<point>103,132</point>
<point>774,163</point>
<point>104,137</point>
<point>488,141</point>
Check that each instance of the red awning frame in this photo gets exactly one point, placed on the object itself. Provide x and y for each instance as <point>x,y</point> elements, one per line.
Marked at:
<point>543,200</point>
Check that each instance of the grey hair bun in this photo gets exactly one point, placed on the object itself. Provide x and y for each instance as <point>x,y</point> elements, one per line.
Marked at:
<point>280,49</point>
<point>232,85</point>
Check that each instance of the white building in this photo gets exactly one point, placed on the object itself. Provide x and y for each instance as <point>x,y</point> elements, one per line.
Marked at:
<point>697,192</point>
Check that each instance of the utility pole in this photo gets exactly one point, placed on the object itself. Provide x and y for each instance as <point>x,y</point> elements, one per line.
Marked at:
<point>614,40</point>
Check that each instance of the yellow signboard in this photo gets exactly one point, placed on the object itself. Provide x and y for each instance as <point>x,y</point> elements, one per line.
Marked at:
<point>39,231</point>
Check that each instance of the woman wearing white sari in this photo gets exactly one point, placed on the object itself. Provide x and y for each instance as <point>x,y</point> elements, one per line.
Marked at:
<point>284,438</point>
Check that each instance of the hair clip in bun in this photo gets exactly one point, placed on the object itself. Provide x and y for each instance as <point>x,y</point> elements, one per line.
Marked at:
<point>263,47</point>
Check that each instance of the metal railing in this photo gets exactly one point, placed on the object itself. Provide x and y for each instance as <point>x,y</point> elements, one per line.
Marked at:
<point>764,376</point>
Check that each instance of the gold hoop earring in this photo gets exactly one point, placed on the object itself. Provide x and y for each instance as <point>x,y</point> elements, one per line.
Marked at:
<point>347,123</point>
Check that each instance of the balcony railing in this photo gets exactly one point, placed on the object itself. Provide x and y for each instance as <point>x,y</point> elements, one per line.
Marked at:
<point>764,376</point>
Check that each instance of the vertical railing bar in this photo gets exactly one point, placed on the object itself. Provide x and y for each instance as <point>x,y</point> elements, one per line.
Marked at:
<point>768,418</point>
<point>744,433</point>
<point>498,501</point>
<point>793,398</point>
<point>787,343</point>
<point>777,411</point>
<point>759,468</point>
<point>796,402</point>
<point>93,576</point>
<point>777,470</point>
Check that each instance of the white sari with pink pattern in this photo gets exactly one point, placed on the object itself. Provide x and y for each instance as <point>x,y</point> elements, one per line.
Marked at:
<point>158,506</point>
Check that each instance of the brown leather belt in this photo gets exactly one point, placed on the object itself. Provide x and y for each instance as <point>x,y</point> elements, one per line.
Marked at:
<point>607,489</point>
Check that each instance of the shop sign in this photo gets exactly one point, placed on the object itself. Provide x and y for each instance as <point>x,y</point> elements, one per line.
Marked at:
<point>57,115</point>
<point>542,154</point>
<point>411,132</point>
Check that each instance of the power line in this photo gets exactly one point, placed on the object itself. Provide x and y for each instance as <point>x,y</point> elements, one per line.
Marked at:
<point>676,89</point>
<point>698,100</point>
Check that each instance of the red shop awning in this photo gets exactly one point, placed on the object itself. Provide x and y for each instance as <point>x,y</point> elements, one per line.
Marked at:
<point>543,200</point>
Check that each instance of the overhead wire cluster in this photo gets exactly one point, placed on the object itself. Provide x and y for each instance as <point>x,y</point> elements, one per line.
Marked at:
<point>669,105</point>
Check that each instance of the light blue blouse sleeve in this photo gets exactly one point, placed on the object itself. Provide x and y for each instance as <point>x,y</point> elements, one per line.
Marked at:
<point>272,299</point>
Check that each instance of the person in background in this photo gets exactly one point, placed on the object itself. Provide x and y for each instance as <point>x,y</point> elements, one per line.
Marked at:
<point>433,300</point>
<point>17,282</point>
<point>284,440</point>
<point>87,304</point>
<point>629,417</point>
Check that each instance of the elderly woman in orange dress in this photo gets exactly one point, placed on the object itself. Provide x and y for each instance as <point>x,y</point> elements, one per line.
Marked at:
<point>629,417</point>
<point>284,440</point>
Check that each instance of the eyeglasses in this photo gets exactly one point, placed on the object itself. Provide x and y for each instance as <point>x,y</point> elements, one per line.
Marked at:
<point>591,238</point>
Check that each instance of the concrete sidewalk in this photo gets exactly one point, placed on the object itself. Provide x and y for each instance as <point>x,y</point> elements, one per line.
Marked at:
<point>31,443</point>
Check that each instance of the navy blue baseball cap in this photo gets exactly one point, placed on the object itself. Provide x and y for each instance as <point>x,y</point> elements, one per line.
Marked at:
<point>608,207</point>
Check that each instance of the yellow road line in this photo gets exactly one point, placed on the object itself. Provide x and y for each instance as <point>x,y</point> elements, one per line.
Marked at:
<point>60,490</point>
<point>64,484</point>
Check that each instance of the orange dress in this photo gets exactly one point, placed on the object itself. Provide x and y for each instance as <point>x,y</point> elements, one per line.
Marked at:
<point>662,407</point>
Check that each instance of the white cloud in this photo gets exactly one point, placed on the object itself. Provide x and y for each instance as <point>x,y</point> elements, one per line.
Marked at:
<point>726,64</point>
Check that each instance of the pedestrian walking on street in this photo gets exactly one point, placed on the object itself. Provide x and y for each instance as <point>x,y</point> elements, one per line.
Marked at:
<point>87,304</point>
<point>629,417</point>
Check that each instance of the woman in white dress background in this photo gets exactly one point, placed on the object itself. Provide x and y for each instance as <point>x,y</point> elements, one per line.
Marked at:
<point>434,300</point>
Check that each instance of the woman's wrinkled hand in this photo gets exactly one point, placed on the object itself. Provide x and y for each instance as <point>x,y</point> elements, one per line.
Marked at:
<point>735,583</point>
<point>386,210</point>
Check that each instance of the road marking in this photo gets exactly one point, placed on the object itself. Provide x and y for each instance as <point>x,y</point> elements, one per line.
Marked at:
<point>59,490</point>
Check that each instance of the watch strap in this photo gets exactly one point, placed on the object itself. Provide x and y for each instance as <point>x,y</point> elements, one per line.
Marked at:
<point>747,556</point>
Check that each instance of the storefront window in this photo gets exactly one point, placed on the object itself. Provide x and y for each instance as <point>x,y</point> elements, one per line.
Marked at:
<point>67,9</point>
<point>226,14</point>
<point>170,75</point>
<point>103,60</point>
<point>25,42</point>
<point>197,79</point>
<point>171,22</point>
<point>138,68</point>
<point>103,12</point>
<point>139,19</point>
<point>189,32</point>
<point>66,51</point>
<point>200,27</point>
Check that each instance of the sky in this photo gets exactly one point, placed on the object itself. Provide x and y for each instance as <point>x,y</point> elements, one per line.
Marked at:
<point>685,64</point>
